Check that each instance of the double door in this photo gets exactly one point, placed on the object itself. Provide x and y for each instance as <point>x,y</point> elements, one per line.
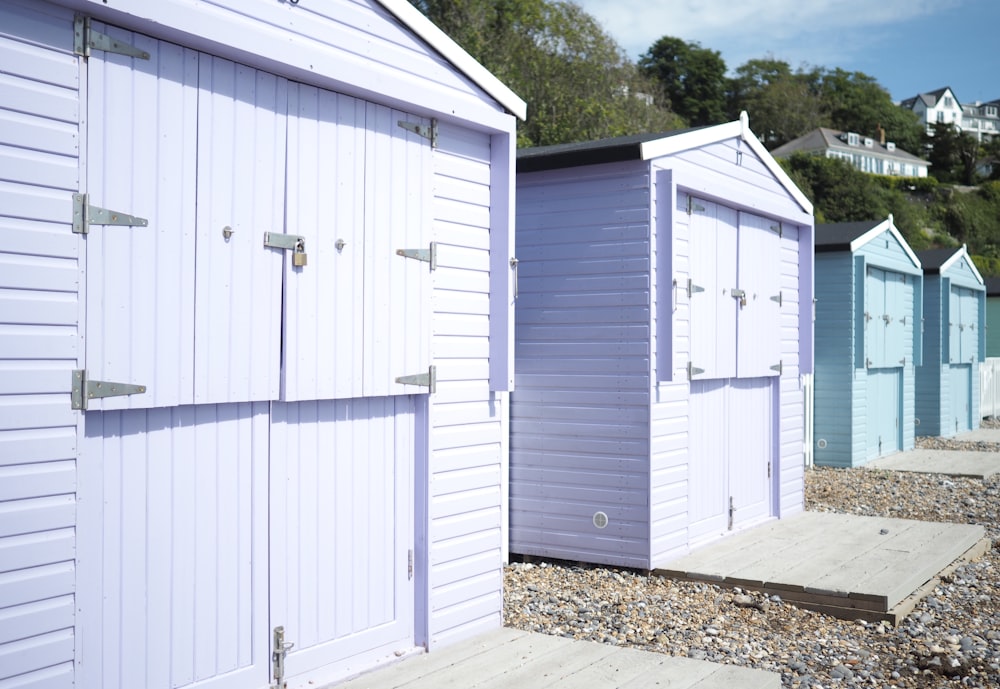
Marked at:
<point>263,477</point>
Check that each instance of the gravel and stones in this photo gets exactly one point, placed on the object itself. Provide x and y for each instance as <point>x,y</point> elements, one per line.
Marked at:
<point>952,638</point>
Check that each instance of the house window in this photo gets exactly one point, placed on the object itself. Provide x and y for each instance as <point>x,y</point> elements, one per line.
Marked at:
<point>852,139</point>
<point>940,117</point>
<point>948,102</point>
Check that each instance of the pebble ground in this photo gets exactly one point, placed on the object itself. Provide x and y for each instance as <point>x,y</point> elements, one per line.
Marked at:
<point>952,638</point>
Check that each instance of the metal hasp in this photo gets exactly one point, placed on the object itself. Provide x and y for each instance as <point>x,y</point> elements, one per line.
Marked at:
<point>86,39</point>
<point>427,380</point>
<point>279,240</point>
<point>83,389</point>
<point>428,132</point>
<point>427,255</point>
<point>279,650</point>
<point>739,294</point>
<point>85,215</point>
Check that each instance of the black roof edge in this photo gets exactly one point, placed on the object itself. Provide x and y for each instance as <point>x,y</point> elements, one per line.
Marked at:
<point>546,160</point>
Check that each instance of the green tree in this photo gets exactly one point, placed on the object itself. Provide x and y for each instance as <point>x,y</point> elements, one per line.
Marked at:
<point>693,78</point>
<point>578,83</point>
<point>781,104</point>
<point>955,156</point>
<point>857,103</point>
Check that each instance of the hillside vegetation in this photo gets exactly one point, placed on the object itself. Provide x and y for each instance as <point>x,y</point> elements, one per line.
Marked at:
<point>580,85</point>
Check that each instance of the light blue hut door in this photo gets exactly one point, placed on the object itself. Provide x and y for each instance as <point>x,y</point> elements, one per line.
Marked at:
<point>884,357</point>
<point>963,347</point>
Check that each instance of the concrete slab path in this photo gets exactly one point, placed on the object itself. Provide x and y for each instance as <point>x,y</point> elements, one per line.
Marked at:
<point>873,568</point>
<point>513,658</point>
<point>989,435</point>
<point>967,463</point>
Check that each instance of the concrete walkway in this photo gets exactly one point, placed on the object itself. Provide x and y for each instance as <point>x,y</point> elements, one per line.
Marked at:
<point>513,658</point>
<point>873,568</point>
<point>968,463</point>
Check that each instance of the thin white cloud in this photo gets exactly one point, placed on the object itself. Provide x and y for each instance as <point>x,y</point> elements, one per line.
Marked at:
<point>745,29</point>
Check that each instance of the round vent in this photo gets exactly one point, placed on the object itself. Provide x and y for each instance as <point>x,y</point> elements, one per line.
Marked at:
<point>600,520</point>
<point>821,443</point>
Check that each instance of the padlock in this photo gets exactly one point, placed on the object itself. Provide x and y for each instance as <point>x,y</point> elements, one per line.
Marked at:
<point>299,257</point>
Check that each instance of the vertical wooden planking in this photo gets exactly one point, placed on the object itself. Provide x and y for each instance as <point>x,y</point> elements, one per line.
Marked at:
<point>182,558</point>
<point>142,139</point>
<point>708,475</point>
<point>341,526</point>
<point>325,301</point>
<point>758,350</point>
<point>752,447</point>
<point>397,289</point>
<point>241,173</point>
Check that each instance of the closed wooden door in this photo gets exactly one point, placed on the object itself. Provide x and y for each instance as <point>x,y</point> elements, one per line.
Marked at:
<point>884,436</point>
<point>341,531</point>
<point>961,399</point>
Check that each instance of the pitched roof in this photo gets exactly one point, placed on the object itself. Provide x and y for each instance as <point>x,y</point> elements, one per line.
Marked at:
<point>650,146</point>
<point>929,99</point>
<point>937,261</point>
<point>823,138</point>
<point>838,236</point>
<point>423,27</point>
<point>851,236</point>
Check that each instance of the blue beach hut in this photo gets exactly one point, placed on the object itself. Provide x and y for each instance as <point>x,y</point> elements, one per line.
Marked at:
<point>869,285</point>
<point>954,343</point>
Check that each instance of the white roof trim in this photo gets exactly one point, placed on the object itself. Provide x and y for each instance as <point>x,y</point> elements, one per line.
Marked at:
<point>411,17</point>
<point>669,145</point>
<point>964,251</point>
<point>889,226</point>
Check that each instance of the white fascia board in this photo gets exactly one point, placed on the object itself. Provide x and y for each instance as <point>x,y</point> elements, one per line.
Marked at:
<point>669,145</point>
<point>964,251</point>
<point>411,17</point>
<point>889,226</point>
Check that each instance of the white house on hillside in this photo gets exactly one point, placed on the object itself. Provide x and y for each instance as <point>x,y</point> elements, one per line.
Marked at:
<point>864,153</point>
<point>982,120</point>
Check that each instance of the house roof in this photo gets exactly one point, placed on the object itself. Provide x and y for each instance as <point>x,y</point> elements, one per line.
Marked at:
<point>822,138</point>
<point>851,236</point>
<point>929,99</point>
<point>423,27</point>
<point>650,146</point>
<point>937,261</point>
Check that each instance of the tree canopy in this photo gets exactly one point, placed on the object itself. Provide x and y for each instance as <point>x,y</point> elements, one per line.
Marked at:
<point>694,79</point>
<point>578,82</point>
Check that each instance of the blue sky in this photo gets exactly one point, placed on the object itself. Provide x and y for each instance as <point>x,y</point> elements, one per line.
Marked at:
<point>908,46</point>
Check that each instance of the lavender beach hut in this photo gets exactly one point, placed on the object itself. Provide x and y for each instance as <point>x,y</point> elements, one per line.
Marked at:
<point>256,338</point>
<point>664,318</point>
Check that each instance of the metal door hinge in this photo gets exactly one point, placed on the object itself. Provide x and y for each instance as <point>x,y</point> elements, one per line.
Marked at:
<point>85,215</point>
<point>86,39</point>
<point>426,255</point>
<point>778,298</point>
<point>279,651</point>
<point>732,509</point>
<point>769,468</point>
<point>778,229</point>
<point>693,288</point>
<point>409,564</point>
<point>693,206</point>
<point>428,132</point>
<point>427,380</point>
<point>694,370</point>
<point>779,367</point>
<point>83,389</point>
